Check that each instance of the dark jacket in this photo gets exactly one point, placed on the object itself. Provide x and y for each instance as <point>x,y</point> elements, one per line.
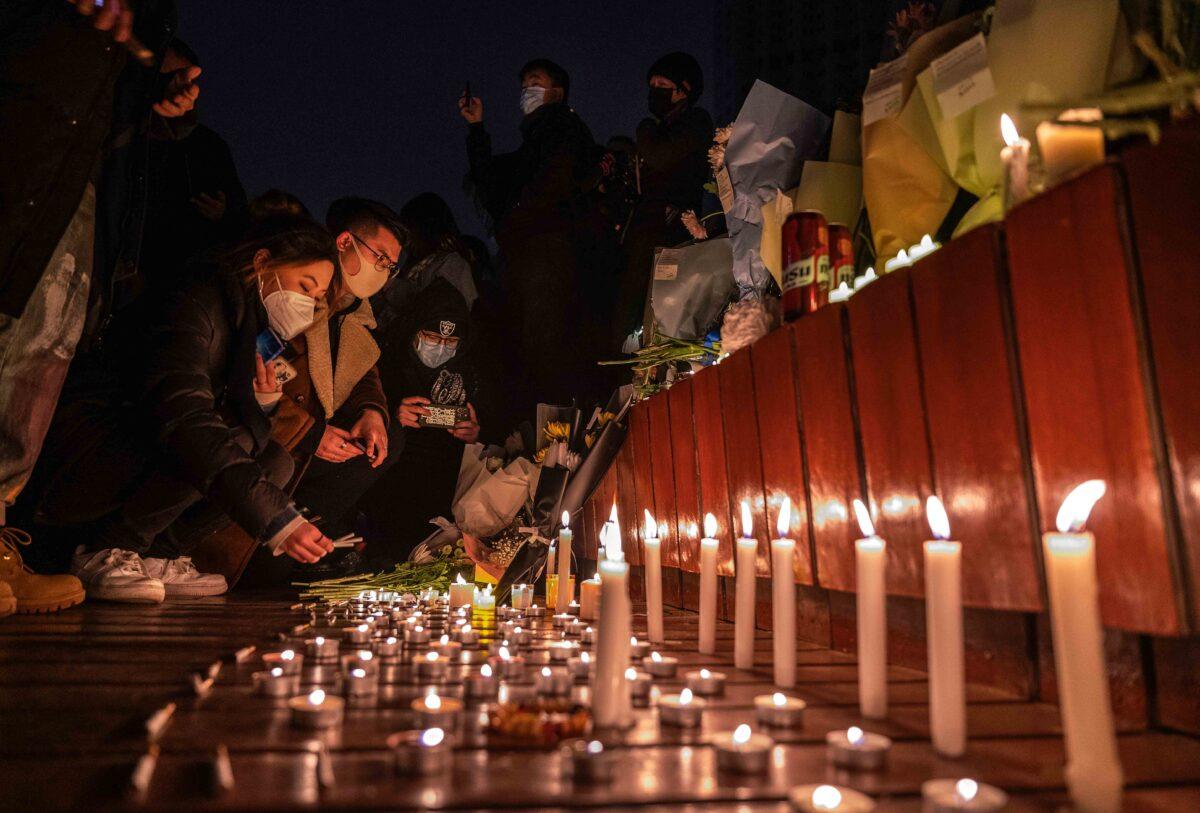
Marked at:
<point>537,187</point>
<point>198,385</point>
<point>674,156</point>
<point>57,76</point>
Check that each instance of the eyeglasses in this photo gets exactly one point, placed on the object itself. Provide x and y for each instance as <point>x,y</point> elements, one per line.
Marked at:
<point>436,338</point>
<point>383,263</point>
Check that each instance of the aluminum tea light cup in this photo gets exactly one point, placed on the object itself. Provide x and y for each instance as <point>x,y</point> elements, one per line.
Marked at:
<point>521,636</point>
<point>573,608</point>
<point>508,667</point>
<point>742,750</point>
<point>274,682</point>
<point>358,682</point>
<point>317,710</point>
<point>590,761</point>
<point>581,668</point>
<point>322,649</point>
<point>660,666</point>
<point>361,659</point>
<point>705,682</point>
<point>447,649</point>
<point>387,649</point>
<point>575,628</point>
<point>481,684</point>
<point>683,710</point>
<point>588,636</point>
<point>638,649</point>
<point>829,799</point>
<point>468,636</point>
<point>560,620</point>
<point>957,795</point>
<point>561,651</point>
<point>780,711</point>
<point>639,684</point>
<point>359,635</point>
<point>857,749</point>
<point>421,753</point>
<point>417,634</point>
<point>288,660</point>
<point>553,682</point>
<point>431,666</point>
<point>535,611</point>
<point>434,711</point>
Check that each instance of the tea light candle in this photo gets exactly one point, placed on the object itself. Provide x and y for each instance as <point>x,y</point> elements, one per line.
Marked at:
<point>870,562</point>
<point>742,750</point>
<point>661,666</point>
<point>508,666</point>
<point>952,796</point>
<point>484,600</point>
<point>575,628</point>
<point>1093,772</point>
<point>360,634</point>
<point>1068,148</point>
<point>467,635</point>
<point>707,643</point>
<point>683,709</point>
<point>534,611</point>
<point>858,749</point>
<point>287,660</point>
<point>943,624</point>
<point>652,565</point>
<point>581,667</point>
<point>783,599</point>
<point>779,710</point>
<point>743,618</point>
<point>362,659</point>
<point>359,683</point>
<point>588,636</point>
<point>447,649</point>
<point>561,651</point>
<point>462,592</point>
<point>1015,156</point>
<point>522,596</point>
<point>705,683</point>
<point>589,761</point>
<point>521,636</point>
<point>639,683</point>
<point>566,586</point>
<point>322,649</point>
<point>552,681</point>
<point>481,684</point>
<point>589,598</point>
<point>275,682</point>
<point>417,634</point>
<point>638,649</point>
<point>572,605</point>
<point>431,667</point>
<point>434,711</point>
<point>561,620</point>
<point>317,710</point>
<point>826,798</point>
<point>421,753</point>
<point>387,649</point>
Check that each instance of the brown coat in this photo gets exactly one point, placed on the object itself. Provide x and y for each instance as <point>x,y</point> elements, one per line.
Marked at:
<point>318,392</point>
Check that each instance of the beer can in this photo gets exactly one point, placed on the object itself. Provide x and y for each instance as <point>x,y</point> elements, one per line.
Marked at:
<point>805,255</point>
<point>841,256</point>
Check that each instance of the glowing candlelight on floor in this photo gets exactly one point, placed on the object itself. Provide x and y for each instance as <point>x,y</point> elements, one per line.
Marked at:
<point>870,562</point>
<point>743,751</point>
<point>317,710</point>
<point>589,598</point>
<point>1069,148</point>
<point>565,584</point>
<point>484,600</point>
<point>652,563</point>
<point>943,626</point>
<point>683,709</point>
<point>522,596</point>
<point>743,619</point>
<point>421,753</point>
<point>1015,156</point>
<point>783,599</point>
<point>779,710</point>
<point>611,705</point>
<point>462,592</point>
<point>857,749</point>
<point>829,799</point>
<point>1093,772</point>
<point>708,587</point>
<point>953,796</point>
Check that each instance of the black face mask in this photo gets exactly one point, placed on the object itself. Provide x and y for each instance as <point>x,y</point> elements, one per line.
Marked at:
<point>660,102</point>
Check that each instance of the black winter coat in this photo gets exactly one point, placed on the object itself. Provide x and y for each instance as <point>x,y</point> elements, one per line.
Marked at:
<point>674,155</point>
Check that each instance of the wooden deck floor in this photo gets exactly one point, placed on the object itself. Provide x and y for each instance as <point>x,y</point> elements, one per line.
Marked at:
<point>76,689</point>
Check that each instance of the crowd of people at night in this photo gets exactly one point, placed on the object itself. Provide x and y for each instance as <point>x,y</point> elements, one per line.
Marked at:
<point>187,367</point>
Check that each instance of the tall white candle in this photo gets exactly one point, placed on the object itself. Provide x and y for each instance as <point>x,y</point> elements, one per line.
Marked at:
<point>743,618</point>
<point>1015,156</point>
<point>708,587</point>
<point>943,629</point>
<point>1093,771</point>
<point>565,538</point>
<point>461,592</point>
<point>611,704</point>
<point>653,564</point>
<point>870,569</point>
<point>783,600</point>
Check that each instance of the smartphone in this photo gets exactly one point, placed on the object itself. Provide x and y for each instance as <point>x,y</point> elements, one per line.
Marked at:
<point>361,445</point>
<point>269,345</point>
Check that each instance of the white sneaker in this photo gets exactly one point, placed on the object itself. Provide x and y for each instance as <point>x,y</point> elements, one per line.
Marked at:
<point>182,580</point>
<point>114,574</point>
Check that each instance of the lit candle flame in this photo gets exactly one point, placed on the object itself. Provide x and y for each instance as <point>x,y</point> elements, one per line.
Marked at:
<point>855,735</point>
<point>778,699</point>
<point>445,639</point>
<point>418,628</point>
<point>612,517</point>
<point>826,797</point>
<point>631,674</point>
<point>685,697</point>
<point>705,674</point>
<point>365,655</point>
<point>747,521</point>
<point>287,655</point>
<point>546,671</point>
<point>566,520</point>
<point>741,734</point>
<point>864,518</point>
<point>485,671</point>
<point>1077,507</point>
<point>651,527</point>
<point>1008,129</point>
<point>391,639</point>
<point>654,656</point>
<point>459,579</point>
<point>710,526</point>
<point>317,697</point>
<point>785,518</point>
<point>504,653</point>
<point>612,541</point>
<point>595,747</point>
<point>363,628</point>
<point>633,640</point>
<point>966,789</point>
<point>319,640</point>
<point>431,657</point>
<point>433,702</point>
<point>939,523</point>
<point>359,673</point>
<point>432,736</point>
<point>276,672</point>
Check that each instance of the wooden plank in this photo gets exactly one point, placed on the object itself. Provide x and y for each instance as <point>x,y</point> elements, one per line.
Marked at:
<point>974,428</point>
<point>631,523</point>
<point>743,455</point>
<point>1084,390</point>
<point>626,490</point>
<point>830,443</point>
<point>710,460</point>
<point>891,418</point>
<point>662,475</point>
<point>687,479</point>
<point>781,452</point>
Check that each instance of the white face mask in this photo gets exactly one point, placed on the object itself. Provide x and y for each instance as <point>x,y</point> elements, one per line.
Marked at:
<point>434,354</point>
<point>532,98</point>
<point>289,313</point>
<point>368,281</point>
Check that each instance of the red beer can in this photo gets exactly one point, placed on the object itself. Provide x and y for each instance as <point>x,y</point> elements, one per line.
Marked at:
<point>805,263</point>
<point>841,256</point>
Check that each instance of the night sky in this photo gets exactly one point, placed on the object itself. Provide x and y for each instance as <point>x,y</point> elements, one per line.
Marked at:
<point>360,96</point>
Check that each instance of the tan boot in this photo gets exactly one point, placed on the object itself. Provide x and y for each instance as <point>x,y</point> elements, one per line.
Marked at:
<point>34,593</point>
<point>8,602</point>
